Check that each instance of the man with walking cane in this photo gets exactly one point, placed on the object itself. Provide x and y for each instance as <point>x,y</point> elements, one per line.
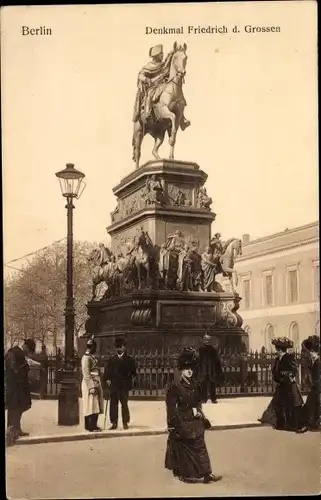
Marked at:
<point>118,381</point>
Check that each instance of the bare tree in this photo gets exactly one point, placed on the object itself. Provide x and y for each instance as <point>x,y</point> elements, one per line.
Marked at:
<point>35,297</point>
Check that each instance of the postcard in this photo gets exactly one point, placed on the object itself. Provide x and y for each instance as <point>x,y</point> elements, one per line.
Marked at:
<point>161,250</point>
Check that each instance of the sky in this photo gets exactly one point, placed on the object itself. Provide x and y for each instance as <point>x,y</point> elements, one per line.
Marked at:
<point>68,97</point>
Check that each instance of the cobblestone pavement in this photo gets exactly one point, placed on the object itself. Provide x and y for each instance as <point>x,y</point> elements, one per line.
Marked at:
<point>257,461</point>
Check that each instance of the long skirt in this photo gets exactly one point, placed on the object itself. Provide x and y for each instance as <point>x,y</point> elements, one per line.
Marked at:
<point>268,417</point>
<point>311,410</point>
<point>187,458</point>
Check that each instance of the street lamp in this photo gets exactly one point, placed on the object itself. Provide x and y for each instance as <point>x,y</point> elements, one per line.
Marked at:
<point>72,185</point>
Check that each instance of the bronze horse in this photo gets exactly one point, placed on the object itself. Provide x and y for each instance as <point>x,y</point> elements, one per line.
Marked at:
<point>233,248</point>
<point>145,260</point>
<point>168,110</point>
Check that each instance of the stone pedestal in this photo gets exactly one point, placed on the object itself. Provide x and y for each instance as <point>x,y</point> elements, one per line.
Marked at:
<point>167,319</point>
<point>179,208</point>
<point>156,319</point>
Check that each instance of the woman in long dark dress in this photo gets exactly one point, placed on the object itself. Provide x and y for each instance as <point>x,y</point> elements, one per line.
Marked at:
<point>268,416</point>
<point>287,399</point>
<point>186,453</point>
<point>311,409</point>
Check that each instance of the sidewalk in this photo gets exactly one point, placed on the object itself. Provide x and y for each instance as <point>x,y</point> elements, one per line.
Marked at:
<point>147,417</point>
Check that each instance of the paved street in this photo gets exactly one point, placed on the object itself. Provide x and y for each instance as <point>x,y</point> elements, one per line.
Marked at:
<point>259,461</point>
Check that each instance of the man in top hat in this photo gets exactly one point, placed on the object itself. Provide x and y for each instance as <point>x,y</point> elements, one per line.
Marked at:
<point>311,409</point>
<point>287,398</point>
<point>152,73</point>
<point>209,371</point>
<point>118,379</point>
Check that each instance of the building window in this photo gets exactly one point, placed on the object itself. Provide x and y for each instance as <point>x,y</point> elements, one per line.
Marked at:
<point>268,289</point>
<point>294,335</point>
<point>293,286</point>
<point>247,293</point>
<point>269,334</point>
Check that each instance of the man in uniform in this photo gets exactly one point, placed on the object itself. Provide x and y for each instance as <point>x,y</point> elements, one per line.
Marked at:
<point>156,71</point>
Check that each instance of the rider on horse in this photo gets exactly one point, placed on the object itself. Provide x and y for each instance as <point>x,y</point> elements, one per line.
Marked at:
<point>149,88</point>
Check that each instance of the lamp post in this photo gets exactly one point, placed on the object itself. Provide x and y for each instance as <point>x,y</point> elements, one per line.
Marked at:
<point>72,185</point>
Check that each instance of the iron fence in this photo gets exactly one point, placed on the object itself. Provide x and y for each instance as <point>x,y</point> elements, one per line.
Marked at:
<point>244,374</point>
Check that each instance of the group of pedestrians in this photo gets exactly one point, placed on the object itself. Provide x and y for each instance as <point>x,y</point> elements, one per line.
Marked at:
<point>200,372</point>
<point>118,376</point>
<point>114,386</point>
<point>287,410</point>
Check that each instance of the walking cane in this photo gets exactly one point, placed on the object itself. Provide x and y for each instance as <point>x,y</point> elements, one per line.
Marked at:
<point>106,407</point>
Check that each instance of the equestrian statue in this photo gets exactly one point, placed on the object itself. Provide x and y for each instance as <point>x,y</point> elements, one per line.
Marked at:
<point>160,102</point>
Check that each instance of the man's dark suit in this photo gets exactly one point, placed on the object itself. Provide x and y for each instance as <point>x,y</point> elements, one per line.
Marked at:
<point>209,371</point>
<point>120,370</point>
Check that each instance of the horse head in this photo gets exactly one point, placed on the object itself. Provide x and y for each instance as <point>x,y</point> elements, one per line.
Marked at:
<point>179,60</point>
<point>233,247</point>
<point>238,247</point>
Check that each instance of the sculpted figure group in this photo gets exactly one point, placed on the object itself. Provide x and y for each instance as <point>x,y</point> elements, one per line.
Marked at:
<point>176,265</point>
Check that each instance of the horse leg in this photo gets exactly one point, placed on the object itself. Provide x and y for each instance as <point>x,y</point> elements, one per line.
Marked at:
<point>137,141</point>
<point>158,142</point>
<point>172,140</point>
<point>165,114</point>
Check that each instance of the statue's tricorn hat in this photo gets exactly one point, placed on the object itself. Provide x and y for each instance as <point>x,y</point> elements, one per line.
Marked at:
<point>187,359</point>
<point>283,342</point>
<point>154,51</point>
<point>312,343</point>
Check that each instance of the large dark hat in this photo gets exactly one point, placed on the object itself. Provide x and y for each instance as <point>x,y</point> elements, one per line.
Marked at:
<point>283,342</point>
<point>312,343</point>
<point>30,343</point>
<point>187,359</point>
<point>119,342</point>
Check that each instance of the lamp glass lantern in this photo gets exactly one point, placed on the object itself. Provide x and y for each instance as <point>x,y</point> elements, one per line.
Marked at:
<point>71,181</point>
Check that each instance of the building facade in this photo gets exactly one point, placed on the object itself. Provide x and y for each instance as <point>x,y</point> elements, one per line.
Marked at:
<point>279,283</point>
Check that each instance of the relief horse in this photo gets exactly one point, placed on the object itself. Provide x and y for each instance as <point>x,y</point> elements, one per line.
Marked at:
<point>145,260</point>
<point>233,248</point>
<point>99,260</point>
<point>168,110</point>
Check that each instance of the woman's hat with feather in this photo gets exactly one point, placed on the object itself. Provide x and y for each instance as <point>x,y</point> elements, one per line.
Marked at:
<point>283,342</point>
<point>312,343</point>
<point>187,358</point>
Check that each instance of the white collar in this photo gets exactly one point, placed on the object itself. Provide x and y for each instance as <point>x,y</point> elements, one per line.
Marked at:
<point>120,355</point>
